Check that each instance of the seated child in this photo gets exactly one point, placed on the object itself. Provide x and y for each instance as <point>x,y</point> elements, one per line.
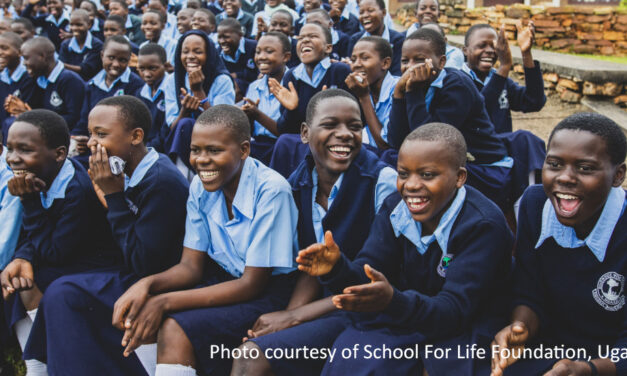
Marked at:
<point>23,27</point>
<point>132,23</point>
<point>238,255</point>
<point>454,56</point>
<point>371,16</point>
<point>114,25</point>
<point>151,65</point>
<point>205,21</point>
<point>153,23</point>
<point>184,20</point>
<point>10,213</point>
<point>169,21</point>
<point>428,92</point>
<point>282,21</point>
<point>373,85</point>
<point>81,53</point>
<point>261,106</point>
<point>343,19</point>
<point>427,12</point>
<point>97,23</point>
<point>483,47</point>
<point>53,23</point>
<point>437,257</point>
<point>339,187</point>
<point>200,81</point>
<point>233,9</point>
<point>576,220</point>
<point>146,213</point>
<point>339,39</point>
<point>238,54</point>
<point>64,231</point>
<point>262,18</point>
<point>307,6</point>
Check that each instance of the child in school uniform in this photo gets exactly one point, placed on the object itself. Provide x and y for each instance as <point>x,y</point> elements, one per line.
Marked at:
<point>371,16</point>
<point>205,21</point>
<point>262,18</point>
<point>114,25</point>
<point>184,21</point>
<point>437,255</point>
<point>343,19</point>
<point>305,9</point>
<point>238,55</point>
<point>238,255</point>
<point>151,65</point>
<point>454,56</point>
<point>146,213</point>
<point>429,92</point>
<point>339,187</point>
<point>339,39</point>
<point>57,20</point>
<point>233,9</point>
<point>23,27</point>
<point>81,53</point>
<point>200,81</point>
<point>153,23</point>
<point>427,12</point>
<point>282,21</point>
<point>261,106</point>
<point>169,20</point>
<point>132,23</point>
<point>97,23</point>
<point>64,231</point>
<point>10,214</point>
<point>569,285</point>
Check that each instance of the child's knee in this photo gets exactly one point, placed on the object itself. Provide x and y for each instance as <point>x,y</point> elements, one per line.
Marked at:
<point>64,293</point>
<point>249,366</point>
<point>171,335</point>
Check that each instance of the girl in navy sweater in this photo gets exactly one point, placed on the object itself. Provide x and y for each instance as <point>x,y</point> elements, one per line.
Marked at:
<point>238,55</point>
<point>571,263</point>
<point>55,25</point>
<point>81,53</point>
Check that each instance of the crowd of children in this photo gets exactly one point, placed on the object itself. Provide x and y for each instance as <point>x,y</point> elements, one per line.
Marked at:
<point>260,176</point>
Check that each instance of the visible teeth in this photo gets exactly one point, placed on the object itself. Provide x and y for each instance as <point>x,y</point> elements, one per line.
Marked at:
<point>207,174</point>
<point>416,200</point>
<point>19,172</point>
<point>305,49</point>
<point>564,196</point>
<point>340,149</point>
<point>487,59</point>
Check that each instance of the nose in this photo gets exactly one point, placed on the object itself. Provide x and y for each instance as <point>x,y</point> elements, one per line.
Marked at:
<point>12,157</point>
<point>342,132</point>
<point>566,177</point>
<point>91,142</point>
<point>413,183</point>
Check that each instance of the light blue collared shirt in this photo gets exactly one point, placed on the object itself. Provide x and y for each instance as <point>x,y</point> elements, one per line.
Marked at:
<point>386,184</point>
<point>465,68</point>
<point>59,185</point>
<point>15,77</point>
<point>454,57</point>
<point>300,72</point>
<point>74,44</point>
<point>64,16</point>
<point>140,171</point>
<point>221,92</point>
<point>437,83</point>
<point>10,214</point>
<point>95,27</point>
<point>241,49</point>
<point>335,37</point>
<point>403,223</point>
<point>382,108</point>
<point>385,35</point>
<point>170,30</point>
<point>598,239</point>
<point>146,91</point>
<point>268,104</point>
<point>128,24</point>
<point>52,78</point>
<point>262,232</point>
<point>413,28</point>
<point>168,44</point>
<point>99,80</point>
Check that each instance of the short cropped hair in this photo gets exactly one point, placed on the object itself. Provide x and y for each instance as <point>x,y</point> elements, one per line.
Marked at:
<point>162,16</point>
<point>380,4</point>
<point>448,135</point>
<point>210,15</point>
<point>51,125</point>
<point>286,14</point>
<point>435,39</point>
<point>154,49</point>
<point>81,13</point>
<point>382,46</point>
<point>232,24</point>
<point>93,5</point>
<point>321,12</point>
<point>436,26</point>
<point>120,39</point>
<point>314,102</point>
<point>601,126</point>
<point>283,39</point>
<point>131,111</point>
<point>14,39</point>
<point>227,116</point>
<point>325,31</point>
<point>28,24</point>
<point>117,19</point>
<point>121,2</point>
<point>472,30</point>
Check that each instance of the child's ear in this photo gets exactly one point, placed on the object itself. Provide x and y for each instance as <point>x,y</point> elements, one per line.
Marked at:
<point>462,174</point>
<point>60,154</point>
<point>465,51</point>
<point>304,133</point>
<point>286,57</point>
<point>137,136</point>
<point>441,62</point>
<point>386,63</point>
<point>328,49</point>
<point>619,175</point>
<point>245,149</point>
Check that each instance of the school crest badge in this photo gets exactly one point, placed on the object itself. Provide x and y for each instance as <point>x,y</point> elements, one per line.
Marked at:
<point>119,92</point>
<point>445,262</point>
<point>503,102</point>
<point>55,99</point>
<point>610,291</point>
<point>17,93</point>
<point>250,64</point>
<point>161,105</point>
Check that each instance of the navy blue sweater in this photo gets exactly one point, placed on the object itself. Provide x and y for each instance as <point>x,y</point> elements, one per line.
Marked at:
<point>341,48</point>
<point>73,231</point>
<point>89,60</point>
<point>480,243</point>
<point>148,220</point>
<point>245,67</point>
<point>159,130</point>
<point>457,103</point>
<point>396,41</point>
<point>65,97</point>
<point>246,21</point>
<point>48,29</point>
<point>24,89</point>
<point>348,26</point>
<point>558,284</point>
<point>290,121</point>
<point>294,59</point>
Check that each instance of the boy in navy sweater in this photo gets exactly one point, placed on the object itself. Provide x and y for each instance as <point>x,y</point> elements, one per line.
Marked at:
<point>146,214</point>
<point>23,27</point>
<point>438,253</point>
<point>151,65</point>
<point>343,19</point>
<point>339,39</point>
<point>575,221</point>
<point>233,9</point>
<point>53,24</point>
<point>238,55</point>
<point>81,53</point>
<point>114,25</point>
<point>132,23</point>
<point>339,187</point>
<point>282,21</point>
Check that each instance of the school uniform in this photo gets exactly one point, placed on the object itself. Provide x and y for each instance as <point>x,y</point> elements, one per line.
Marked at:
<point>10,214</point>
<point>18,84</point>
<point>168,44</point>
<point>252,7</point>
<point>242,64</point>
<point>87,57</point>
<point>244,18</point>
<point>396,40</point>
<point>171,30</point>
<point>214,7</point>
<point>147,220</point>
<point>453,99</point>
<point>262,142</point>
<point>348,23</point>
<point>294,59</point>
<point>443,282</point>
<point>133,29</point>
<point>49,25</point>
<point>262,233</point>
<point>97,29</point>
<point>341,43</point>
<point>266,14</point>
<point>155,101</point>
<point>382,109</point>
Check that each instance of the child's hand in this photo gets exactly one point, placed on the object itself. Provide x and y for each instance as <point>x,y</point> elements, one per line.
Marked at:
<point>512,337</point>
<point>503,52</point>
<point>196,78</point>
<point>15,106</point>
<point>272,322</point>
<point>318,259</point>
<point>250,108</point>
<point>287,98</point>
<point>145,327</point>
<point>129,304</point>
<point>64,34</point>
<point>17,276</point>
<point>189,103</point>
<point>372,297</point>
<point>261,25</point>
<point>525,36</point>
<point>419,75</point>
<point>335,13</point>
<point>25,185</point>
<point>101,171</point>
<point>133,61</point>
<point>358,84</point>
<point>99,193</point>
<point>567,367</point>
<point>81,144</point>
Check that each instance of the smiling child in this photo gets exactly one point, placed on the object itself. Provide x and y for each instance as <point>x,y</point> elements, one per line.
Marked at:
<point>81,53</point>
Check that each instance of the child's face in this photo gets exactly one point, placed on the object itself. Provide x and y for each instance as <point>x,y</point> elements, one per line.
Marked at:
<point>193,53</point>
<point>200,21</point>
<point>269,55</point>
<point>334,135</point>
<point>577,177</point>
<point>79,26</point>
<point>112,28</point>
<point>274,3</point>
<point>115,59</point>
<point>27,152</point>
<point>34,61</point>
<point>55,7</point>
<point>416,51</point>
<point>89,9</point>
<point>184,21</point>
<point>156,5</point>
<point>339,4</point>
<point>366,61</point>
<point>371,16</point>
<point>319,19</point>
<point>22,31</point>
<point>281,23</point>
<point>107,129</point>
<point>193,4</point>
<point>427,180</point>
<point>152,26</point>
<point>9,54</point>
<point>217,157</point>
<point>118,9</point>
<point>150,68</point>
<point>427,12</point>
<point>231,7</point>
<point>5,25</point>
<point>311,5</point>
<point>480,52</point>
<point>228,40</point>
<point>312,45</point>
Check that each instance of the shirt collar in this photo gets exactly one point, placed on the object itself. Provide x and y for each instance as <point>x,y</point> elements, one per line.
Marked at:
<point>385,35</point>
<point>474,76</point>
<point>74,44</point>
<point>598,239</point>
<point>334,190</point>
<point>244,197</point>
<point>17,74</point>
<point>240,14</point>
<point>387,87</point>
<point>403,223</point>
<point>142,168</point>
<point>241,49</point>
<point>59,185</point>
<point>65,16</point>
<point>346,14</point>
<point>414,27</point>
<point>437,83</point>
<point>145,92</point>
<point>129,23</point>
<point>99,80</point>
<point>335,37</point>
<point>52,77</point>
<point>300,72</point>
<point>3,161</point>
<point>96,26</point>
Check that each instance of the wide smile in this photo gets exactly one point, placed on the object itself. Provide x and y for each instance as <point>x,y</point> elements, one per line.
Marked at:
<point>340,152</point>
<point>208,176</point>
<point>19,172</point>
<point>567,204</point>
<point>417,204</point>
<point>192,64</point>
<point>487,61</point>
